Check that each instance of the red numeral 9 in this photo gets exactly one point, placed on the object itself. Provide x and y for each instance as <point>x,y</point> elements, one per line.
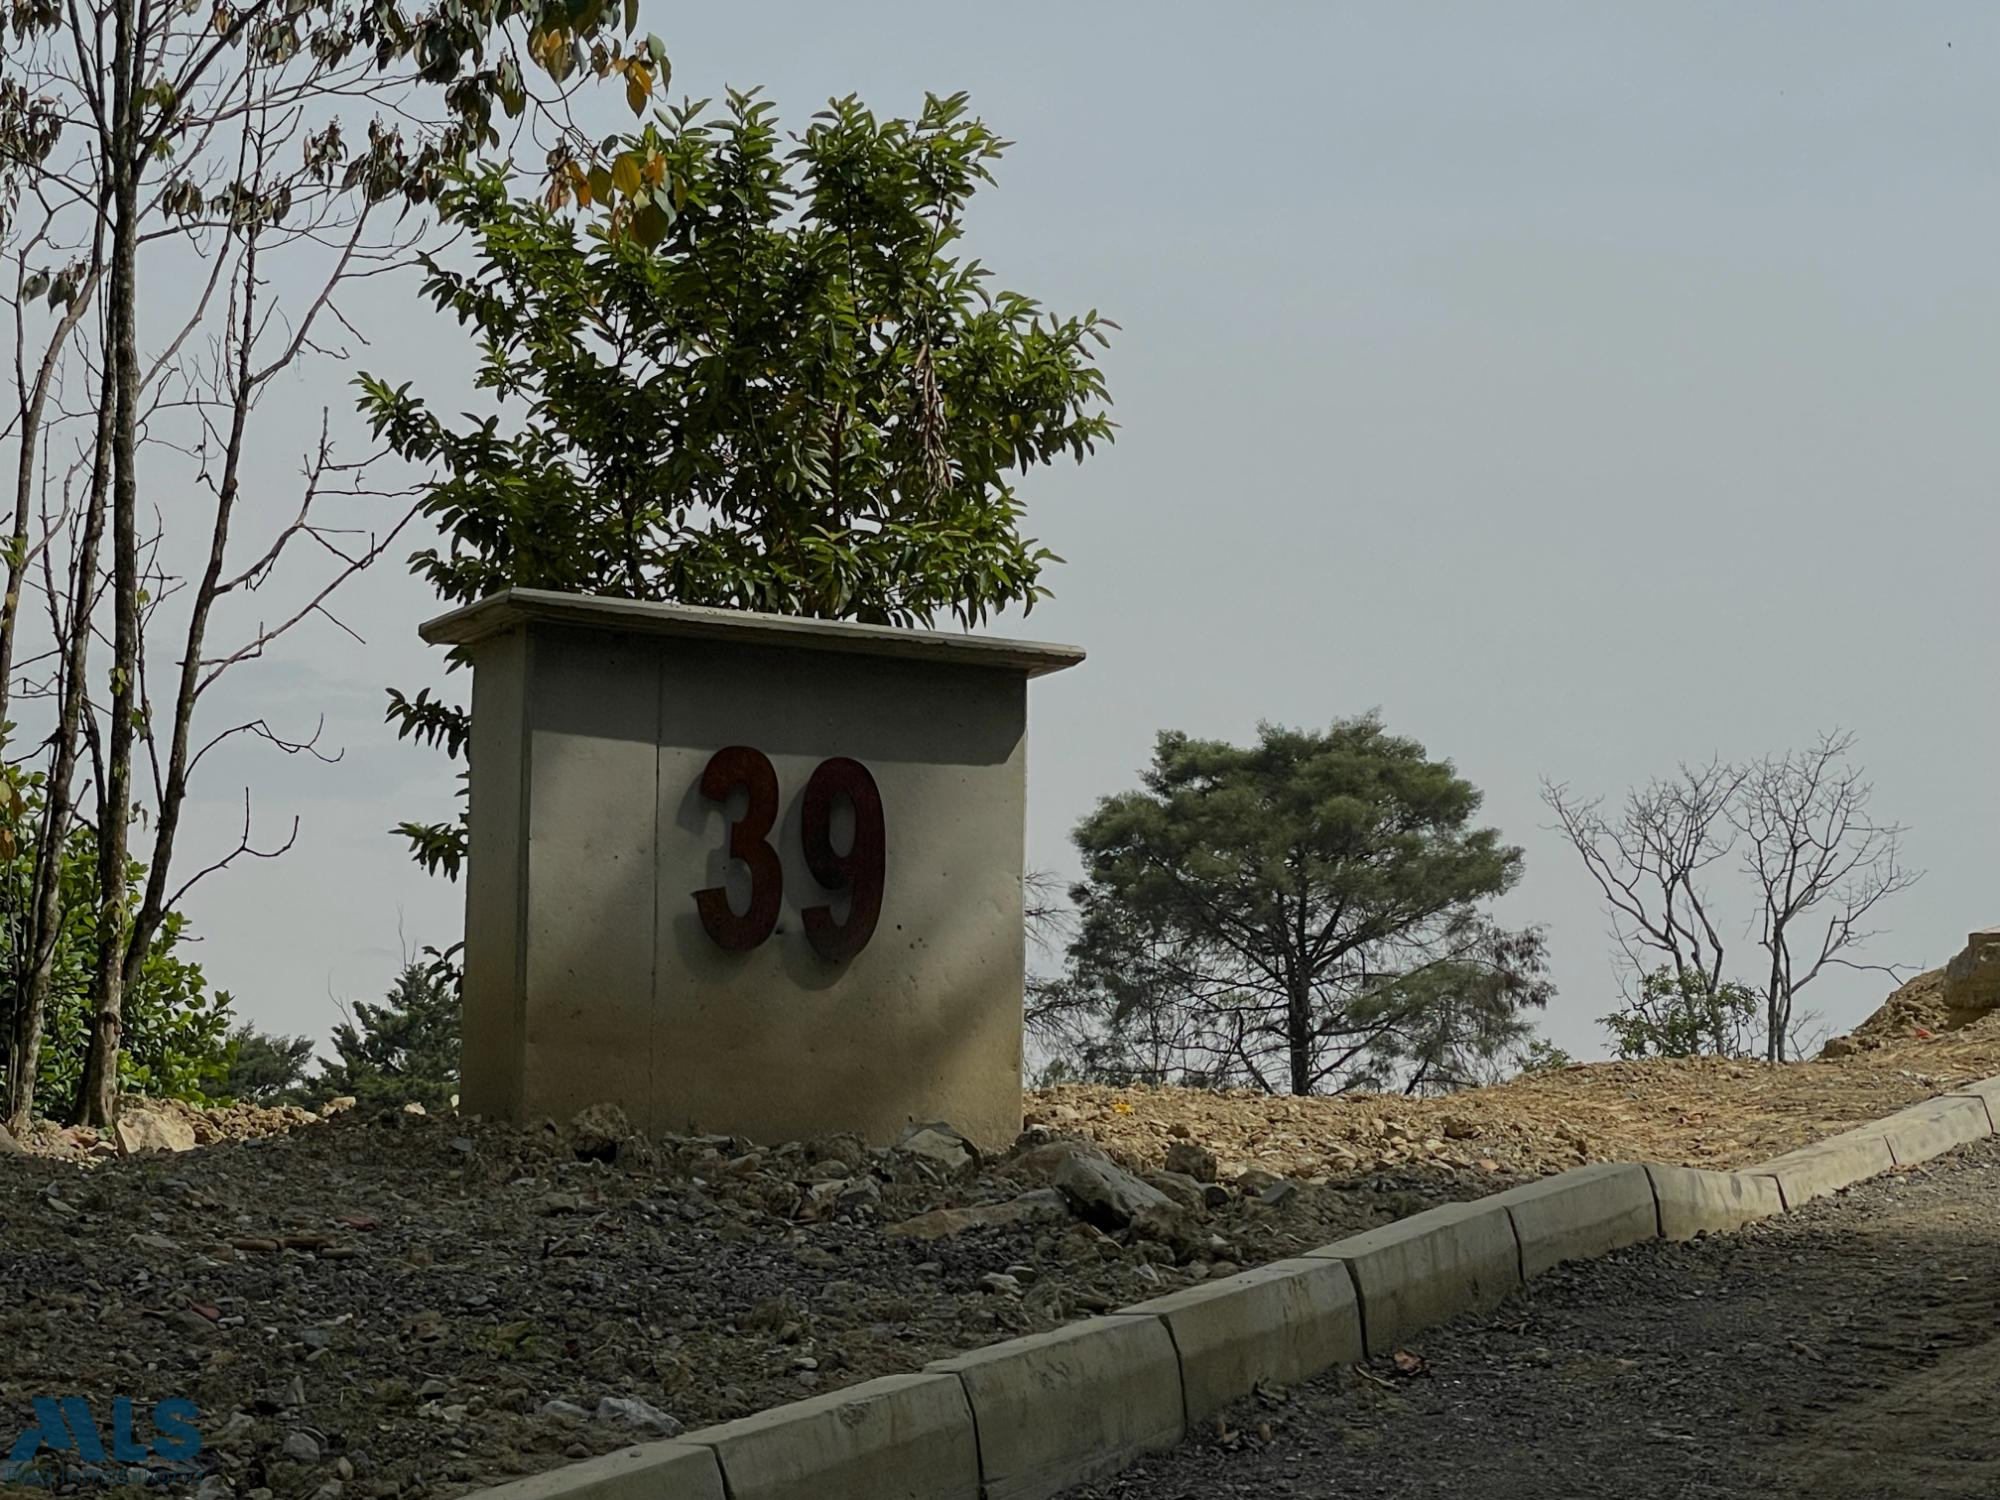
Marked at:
<point>859,871</point>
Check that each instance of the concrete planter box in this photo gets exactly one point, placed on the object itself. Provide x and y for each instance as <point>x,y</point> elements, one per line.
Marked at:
<point>743,873</point>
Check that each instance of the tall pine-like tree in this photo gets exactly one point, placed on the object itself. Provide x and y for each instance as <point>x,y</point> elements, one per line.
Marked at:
<point>403,1051</point>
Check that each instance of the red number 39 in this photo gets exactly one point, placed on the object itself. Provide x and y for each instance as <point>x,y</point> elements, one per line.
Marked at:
<point>859,872</point>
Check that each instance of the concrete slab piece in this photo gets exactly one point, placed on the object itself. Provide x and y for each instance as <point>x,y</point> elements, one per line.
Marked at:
<point>1423,1269</point>
<point>1693,1202</point>
<point>1581,1213</point>
<point>650,1471</point>
<point>1274,1326</point>
<point>903,1437</point>
<point>1061,1408</point>
<point>1935,1127</point>
<point>1987,1091</point>
<point>1828,1166</point>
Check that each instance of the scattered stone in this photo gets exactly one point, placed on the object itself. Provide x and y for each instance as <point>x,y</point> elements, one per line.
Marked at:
<point>1001,1283</point>
<point>1278,1193</point>
<point>1106,1195</point>
<point>941,1145</point>
<point>597,1132</point>
<point>567,1411</point>
<point>633,1412</point>
<point>1189,1160</point>
<point>1040,1205</point>
<point>1256,1181</point>
<point>301,1447</point>
<point>1185,1191</point>
<point>143,1129</point>
<point>8,1145</point>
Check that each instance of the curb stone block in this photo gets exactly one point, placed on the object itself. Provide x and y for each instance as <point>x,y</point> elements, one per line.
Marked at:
<point>903,1437</point>
<point>1987,1092</point>
<point>1934,1127</point>
<point>1693,1202</point>
<point>1828,1166</point>
<point>650,1471</point>
<point>1582,1213</point>
<point>1074,1404</point>
<point>1272,1326</point>
<point>1421,1270</point>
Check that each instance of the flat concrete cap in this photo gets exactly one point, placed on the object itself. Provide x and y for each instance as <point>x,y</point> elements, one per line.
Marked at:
<point>513,608</point>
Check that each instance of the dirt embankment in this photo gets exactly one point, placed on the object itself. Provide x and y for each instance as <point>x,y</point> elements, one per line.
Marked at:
<point>1704,1112</point>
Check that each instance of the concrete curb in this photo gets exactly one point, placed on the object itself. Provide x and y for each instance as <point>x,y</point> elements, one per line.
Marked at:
<point>1693,1202</point>
<point>1074,1404</point>
<point>1273,1326</point>
<point>1581,1214</point>
<point>1027,1419</point>
<point>1828,1166</point>
<point>1428,1267</point>
<point>903,1437</point>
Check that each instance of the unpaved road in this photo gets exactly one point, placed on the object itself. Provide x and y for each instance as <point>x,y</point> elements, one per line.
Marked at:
<point>1847,1352</point>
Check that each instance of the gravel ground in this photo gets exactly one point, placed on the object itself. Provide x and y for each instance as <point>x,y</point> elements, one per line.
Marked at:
<point>416,1306</point>
<point>1847,1352</point>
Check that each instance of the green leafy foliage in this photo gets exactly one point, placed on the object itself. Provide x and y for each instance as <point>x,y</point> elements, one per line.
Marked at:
<point>785,390</point>
<point>402,1051</point>
<point>1682,1013</point>
<point>477,54</point>
<point>176,1034</point>
<point>262,1068</point>
<point>1302,913</point>
<point>1543,1056</point>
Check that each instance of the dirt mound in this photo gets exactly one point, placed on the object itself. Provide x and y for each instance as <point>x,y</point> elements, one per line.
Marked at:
<point>1915,1007</point>
<point>1705,1112</point>
<point>1928,1006</point>
<point>166,1125</point>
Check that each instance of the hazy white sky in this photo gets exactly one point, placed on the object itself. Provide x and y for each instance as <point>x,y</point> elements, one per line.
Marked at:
<point>1584,386</point>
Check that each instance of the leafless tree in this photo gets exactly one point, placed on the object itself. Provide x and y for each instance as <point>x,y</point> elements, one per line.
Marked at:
<point>189,196</point>
<point>1818,865</point>
<point>1651,863</point>
<point>1821,865</point>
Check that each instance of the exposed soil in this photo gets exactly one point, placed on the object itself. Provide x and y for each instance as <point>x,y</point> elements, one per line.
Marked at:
<point>1850,1351</point>
<point>1702,1112</point>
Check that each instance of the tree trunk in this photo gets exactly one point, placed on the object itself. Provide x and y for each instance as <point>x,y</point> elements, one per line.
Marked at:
<point>98,1093</point>
<point>58,805</point>
<point>1298,1037</point>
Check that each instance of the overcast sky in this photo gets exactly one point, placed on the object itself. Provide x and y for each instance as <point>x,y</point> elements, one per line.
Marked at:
<point>1586,387</point>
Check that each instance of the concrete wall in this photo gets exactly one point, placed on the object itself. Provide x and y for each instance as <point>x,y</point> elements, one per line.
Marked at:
<point>589,974</point>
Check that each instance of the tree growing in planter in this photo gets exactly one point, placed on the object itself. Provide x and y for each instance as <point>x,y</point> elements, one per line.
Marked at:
<point>1303,914</point>
<point>785,390</point>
